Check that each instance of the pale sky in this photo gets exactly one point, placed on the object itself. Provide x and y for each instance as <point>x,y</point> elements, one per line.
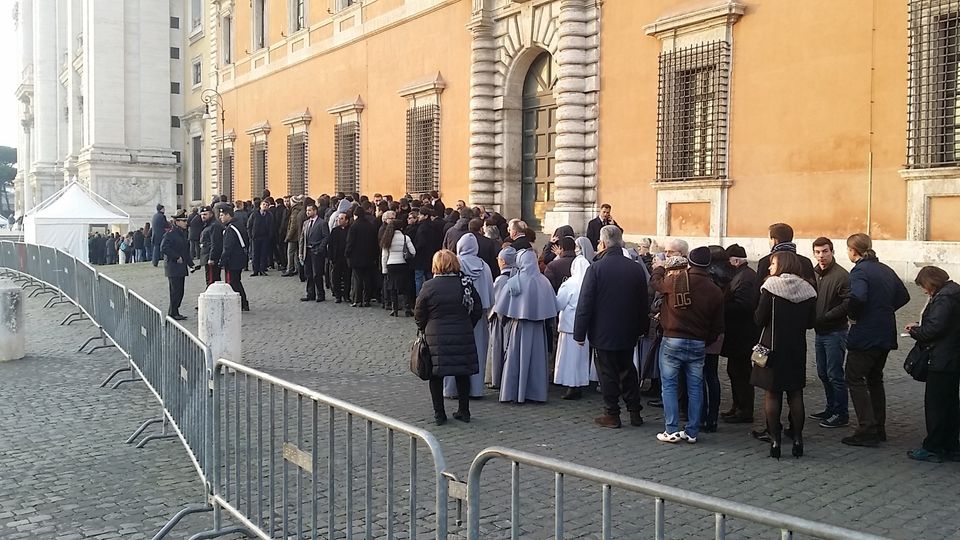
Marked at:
<point>9,76</point>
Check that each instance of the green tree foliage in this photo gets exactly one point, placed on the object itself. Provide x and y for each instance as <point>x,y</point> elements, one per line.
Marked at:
<point>8,171</point>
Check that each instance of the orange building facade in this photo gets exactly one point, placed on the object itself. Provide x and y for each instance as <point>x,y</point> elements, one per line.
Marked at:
<point>705,119</point>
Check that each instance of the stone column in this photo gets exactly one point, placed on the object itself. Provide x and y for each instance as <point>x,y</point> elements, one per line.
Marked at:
<point>483,71</point>
<point>219,322</point>
<point>12,333</point>
<point>572,144</point>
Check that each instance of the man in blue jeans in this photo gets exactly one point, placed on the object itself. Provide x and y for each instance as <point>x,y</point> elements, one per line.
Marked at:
<point>833,293</point>
<point>691,317</point>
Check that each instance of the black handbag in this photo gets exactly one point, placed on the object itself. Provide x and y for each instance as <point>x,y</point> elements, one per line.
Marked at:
<point>407,256</point>
<point>420,362</point>
<point>917,364</point>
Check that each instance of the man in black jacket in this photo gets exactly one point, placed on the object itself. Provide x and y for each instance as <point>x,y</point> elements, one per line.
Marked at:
<point>363,253</point>
<point>261,234</point>
<point>336,252</point>
<point>781,239</point>
<point>487,249</point>
<point>176,252</point>
<point>313,252</point>
<point>518,235</point>
<point>234,255</point>
<point>602,220</point>
<point>194,228</point>
<point>612,312</point>
<point>427,241</point>
<point>833,293</point>
<point>740,335</point>
<point>211,245</point>
<point>158,227</point>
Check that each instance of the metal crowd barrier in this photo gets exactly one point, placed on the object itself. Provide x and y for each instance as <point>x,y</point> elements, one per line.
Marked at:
<point>86,280</point>
<point>8,261</point>
<point>111,306</point>
<point>722,509</point>
<point>274,440</point>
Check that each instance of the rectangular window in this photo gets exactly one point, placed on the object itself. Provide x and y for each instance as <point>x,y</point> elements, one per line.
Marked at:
<point>259,24</point>
<point>297,163</point>
<point>197,168</point>
<point>346,156</point>
<point>174,88</point>
<point>197,73</point>
<point>175,122</point>
<point>423,148</point>
<point>227,30</point>
<point>298,15</point>
<point>344,4</point>
<point>175,53</point>
<point>258,168</point>
<point>176,155</point>
<point>692,118</point>
<point>933,114</point>
<point>196,15</point>
<point>174,22</point>
<point>226,173</point>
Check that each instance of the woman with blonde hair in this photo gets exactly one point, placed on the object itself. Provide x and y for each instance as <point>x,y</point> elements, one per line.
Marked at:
<point>447,310</point>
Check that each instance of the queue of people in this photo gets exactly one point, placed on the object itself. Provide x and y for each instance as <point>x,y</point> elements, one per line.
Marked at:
<point>501,317</point>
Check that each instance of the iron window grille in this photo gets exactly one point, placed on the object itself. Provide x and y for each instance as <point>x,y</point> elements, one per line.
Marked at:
<point>346,137</point>
<point>299,15</point>
<point>933,115</point>
<point>297,163</point>
<point>692,116</point>
<point>423,149</point>
<point>197,166</point>
<point>226,173</point>
<point>258,168</point>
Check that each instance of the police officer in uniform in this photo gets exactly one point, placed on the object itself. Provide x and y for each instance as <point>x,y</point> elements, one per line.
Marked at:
<point>234,255</point>
<point>211,245</point>
<point>176,251</point>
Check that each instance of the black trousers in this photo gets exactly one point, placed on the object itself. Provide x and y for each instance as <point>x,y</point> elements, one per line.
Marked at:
<point>398,284</point>
<point>212,274</point>
<point>618,377</point>
<point>176,295</point>
<point>280,254</point>
<point>261,254</point>
<point>864,375</point>
<point>232,277</point>
<point>365,284</point>
<point>340,279</point>
<point>313,268</point>
<point>941,406</point>
<point>463,391</point>
<point>711,387</point>
<point>738,369</point>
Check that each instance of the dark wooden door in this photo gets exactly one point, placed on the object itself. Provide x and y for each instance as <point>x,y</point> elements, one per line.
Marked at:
<point>539,141</point>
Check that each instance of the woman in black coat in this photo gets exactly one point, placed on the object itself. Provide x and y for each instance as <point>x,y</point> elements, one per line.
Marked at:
<point>787,308</point>
<point>939,331</point>
<point>447,310</point>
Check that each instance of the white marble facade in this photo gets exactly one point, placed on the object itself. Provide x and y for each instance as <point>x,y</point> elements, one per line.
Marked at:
<point>95,101</point>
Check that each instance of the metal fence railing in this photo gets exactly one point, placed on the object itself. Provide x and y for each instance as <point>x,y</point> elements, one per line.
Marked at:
<point>722,510</point>
<point>287,463</point>
<point>86,278</point>
<point>186,390</point>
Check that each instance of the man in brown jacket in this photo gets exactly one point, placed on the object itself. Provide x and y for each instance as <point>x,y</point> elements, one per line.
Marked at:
<point>691,317</point>
<point>294,226</point>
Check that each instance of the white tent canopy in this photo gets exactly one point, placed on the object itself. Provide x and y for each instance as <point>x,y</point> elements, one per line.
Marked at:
<point>63,221</point>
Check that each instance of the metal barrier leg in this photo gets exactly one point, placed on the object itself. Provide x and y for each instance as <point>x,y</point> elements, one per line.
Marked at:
<point>56,300</point>
<point>140,429</point>
<point>114,374</point>
<point>223,532</point>
<point>117,384</point>
<point>191,509</point>
<point>105,343</point>
<point>163,435</point>
<point>70,318</point>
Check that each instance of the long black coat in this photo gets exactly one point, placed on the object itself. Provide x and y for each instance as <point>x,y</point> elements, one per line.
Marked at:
<point>488,250</point>
<point>448,326</point>
<point>940,328</point>
<point>261,226</point>
<point>740,331</point>
<point>337,245</point>
<point>235,246</point>
<point>158,225</point>
<point>786,366</point>
<point>362,250</point>
<point>427,241</point>
<point>211,242</point>
<point>613,307</point>
<point>176,253</point>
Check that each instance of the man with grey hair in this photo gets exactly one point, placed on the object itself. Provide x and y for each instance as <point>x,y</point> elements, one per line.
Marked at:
<point>518,235</point>
<point>677,247</point>
<point>612,312</point>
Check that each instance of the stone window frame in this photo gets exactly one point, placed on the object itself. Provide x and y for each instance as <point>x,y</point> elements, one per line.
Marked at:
<point>347,127</point>
<point>196,73</point>
<point>258,142</point>
<point>296,22</point>
<point>298,124</point>
<point>712,22</point>
<point>259,26</point>
<point>423,93</point>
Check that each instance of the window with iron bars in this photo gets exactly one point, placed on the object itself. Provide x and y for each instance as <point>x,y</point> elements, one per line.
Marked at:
<point>692,117</point>
<point>258,168</point>
<point>226,173</point>
<point>933,115</point>
<point>197,168</point>
<point>423,149</point>
<point>346,156</point>
<point>297,163</point>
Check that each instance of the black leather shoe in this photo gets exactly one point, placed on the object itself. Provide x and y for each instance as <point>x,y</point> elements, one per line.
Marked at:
<point>462,416</point>
<point>338,301</point>
<point>440,418</point>
<point>307,299</point>
<point>321,299</point>
<point>178,317</point>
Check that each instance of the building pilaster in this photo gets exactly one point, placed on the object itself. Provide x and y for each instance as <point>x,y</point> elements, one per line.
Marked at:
<point>483,72</point>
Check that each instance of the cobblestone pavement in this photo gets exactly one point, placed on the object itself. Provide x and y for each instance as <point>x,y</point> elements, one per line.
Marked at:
<point>360,355</point>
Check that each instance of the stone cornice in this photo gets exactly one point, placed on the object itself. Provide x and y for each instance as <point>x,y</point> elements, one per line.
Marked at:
<point>426,86</point>
<point>351,106</point>
<point>715,183</point>
<point>302,117</point>
<point>723,12</point>
<point>228,136</point>
<point>262,128</point>
<point>936,173</point>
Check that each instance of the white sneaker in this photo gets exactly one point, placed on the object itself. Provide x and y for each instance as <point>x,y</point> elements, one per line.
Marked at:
<point>683,435</point>
<point>671,438</point>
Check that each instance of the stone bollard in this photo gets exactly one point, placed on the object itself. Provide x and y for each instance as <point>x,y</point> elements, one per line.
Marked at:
<point>12,332</point>
<point>219,322</point>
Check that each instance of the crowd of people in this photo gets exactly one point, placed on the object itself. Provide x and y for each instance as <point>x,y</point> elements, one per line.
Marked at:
<point>652,321</point>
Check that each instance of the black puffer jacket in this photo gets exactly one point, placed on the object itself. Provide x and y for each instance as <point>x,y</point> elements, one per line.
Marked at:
<point>940,328</point>
<point>448,326</point>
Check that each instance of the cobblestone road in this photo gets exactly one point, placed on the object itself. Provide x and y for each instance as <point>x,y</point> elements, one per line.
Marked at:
<point>65,436</point>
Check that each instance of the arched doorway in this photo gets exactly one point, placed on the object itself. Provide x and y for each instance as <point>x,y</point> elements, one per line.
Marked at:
<point>539,141</point>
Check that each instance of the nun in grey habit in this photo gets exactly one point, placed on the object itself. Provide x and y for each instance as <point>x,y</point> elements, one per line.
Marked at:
<point>477,272</point>
<point>507,258</point>
<point>528,302</point>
